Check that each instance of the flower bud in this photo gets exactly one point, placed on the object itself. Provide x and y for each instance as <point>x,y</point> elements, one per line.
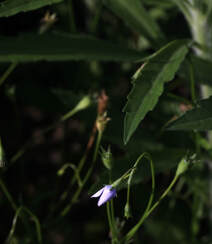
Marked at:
<point>182,166</point>
<point>127,211</point>
<point>61,171</point>
<point>107,159</point>
<point>83,103</point>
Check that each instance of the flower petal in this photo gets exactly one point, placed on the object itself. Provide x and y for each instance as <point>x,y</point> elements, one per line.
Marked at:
<point>98,193</point>
<point>107,194</point>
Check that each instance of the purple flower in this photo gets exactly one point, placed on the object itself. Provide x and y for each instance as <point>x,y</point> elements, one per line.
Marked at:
<point>105,194</point>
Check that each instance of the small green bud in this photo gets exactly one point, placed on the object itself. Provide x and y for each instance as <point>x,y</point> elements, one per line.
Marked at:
<point>83,103</point>
<point>138,71</point>
<point>127,211</point>
<point>10,91</point>
<point>107,158</point>
<point>182,166</point>
<point>62,170</point>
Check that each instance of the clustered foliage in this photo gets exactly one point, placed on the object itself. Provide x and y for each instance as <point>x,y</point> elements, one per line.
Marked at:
<point>109,99</point>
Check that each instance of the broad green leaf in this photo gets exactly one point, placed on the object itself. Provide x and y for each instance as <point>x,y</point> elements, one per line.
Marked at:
<point>199,118</point>
<point>12,7</point>
<point>148,83</point>
<point>58,47</point>
<point>136,16</point>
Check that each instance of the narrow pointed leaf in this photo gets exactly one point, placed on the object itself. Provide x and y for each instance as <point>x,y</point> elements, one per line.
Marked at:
<point>58,47</point>
<point>136,16</point>
<point>148,83</point>
<point>12,7</point>
<point>199,118</point>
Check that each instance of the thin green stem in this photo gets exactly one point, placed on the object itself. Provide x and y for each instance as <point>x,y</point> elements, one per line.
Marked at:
<point>192,83</point>
<point>112,224</point>
<point>67,115</point>
<point>8,195</point>
<point>30,142</point>
<point>111,204</point>
<point>209,9</point>
<point>148,211</point>
<point>62,170</point>
<point>163,195</point>
<point>178,98</point>
<point>112,213</point>
<point>79,168</point>
<point>72,23</point>
<point>34,218</point>
<point>75,178</point>
<point>197,143</point>
<point>78,191</point>
<point>128,194</point>
<point>95,21</point>
<point>132,232</point>
<point>7,73</point>
<point>84,157</point>
<point>195,222</point>
<point>99,137</point>
<point>20,152</point>
<point>12,230</point>
<point>37,224</point>
<point>184,7</point>
<point>109,216</point>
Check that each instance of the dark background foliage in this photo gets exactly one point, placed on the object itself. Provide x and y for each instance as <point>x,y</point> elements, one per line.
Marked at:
<point>36,94</point>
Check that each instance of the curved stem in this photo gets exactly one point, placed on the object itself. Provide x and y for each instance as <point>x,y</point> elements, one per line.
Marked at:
<point>192,83</point>
<point>30,142</point>
<point>184,7</point>
<point>34,218</point>
<point>37,224</point>
<point>149,210</point>
<point>110,222</point>
<point>77,193</point>
<point>178,98</point>
<point>7,73</point>
<point>62,170</point>
<point>72,23</point>
<point>7,194</point>
<point>132,232</point>
<point>12,230</point>
<point>163,195</point>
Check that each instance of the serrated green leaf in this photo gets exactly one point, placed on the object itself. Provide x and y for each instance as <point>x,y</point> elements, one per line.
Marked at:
<point>57,47</point>
<point>136,16</point>
<point>199,118</point>
<point>12,7</point>
<point>149,81</point>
